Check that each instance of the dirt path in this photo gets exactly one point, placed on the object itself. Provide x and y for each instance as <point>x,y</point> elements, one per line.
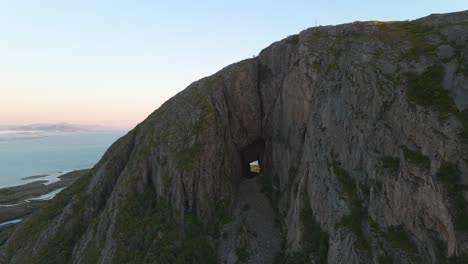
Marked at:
<point>252,237</point>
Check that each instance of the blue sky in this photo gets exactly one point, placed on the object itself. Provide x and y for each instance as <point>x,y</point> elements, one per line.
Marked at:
<point>114,62</point>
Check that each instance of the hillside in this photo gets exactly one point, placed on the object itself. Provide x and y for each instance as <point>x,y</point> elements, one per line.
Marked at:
<point>361,135</point>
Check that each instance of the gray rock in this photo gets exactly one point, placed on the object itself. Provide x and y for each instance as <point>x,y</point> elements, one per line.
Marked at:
<point>232,258</point>
<point>456,34</point>
<point>445,52</point>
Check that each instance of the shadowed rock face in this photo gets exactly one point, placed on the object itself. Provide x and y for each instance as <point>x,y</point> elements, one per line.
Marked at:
<point>362,124</point>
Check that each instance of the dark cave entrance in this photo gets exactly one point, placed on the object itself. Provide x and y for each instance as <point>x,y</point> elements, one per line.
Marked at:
<point>252,156</point>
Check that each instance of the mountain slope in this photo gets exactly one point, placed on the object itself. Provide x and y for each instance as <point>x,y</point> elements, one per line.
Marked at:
<point>360,130</point>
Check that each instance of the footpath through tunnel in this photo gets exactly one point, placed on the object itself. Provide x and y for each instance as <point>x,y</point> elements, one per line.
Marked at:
<point>252,236</point>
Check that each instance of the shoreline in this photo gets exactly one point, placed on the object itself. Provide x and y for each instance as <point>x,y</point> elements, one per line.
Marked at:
<point>45,179</point>
<point>20,201</point>
<point>12,195</point>
<point>11,222</point>
<point>34,177</point>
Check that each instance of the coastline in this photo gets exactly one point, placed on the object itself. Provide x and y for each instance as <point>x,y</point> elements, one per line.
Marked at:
<point>34,177</point>
<point>18,202</point>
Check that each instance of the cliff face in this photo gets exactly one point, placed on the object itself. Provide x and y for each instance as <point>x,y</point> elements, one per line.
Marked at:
<point>361,133</point>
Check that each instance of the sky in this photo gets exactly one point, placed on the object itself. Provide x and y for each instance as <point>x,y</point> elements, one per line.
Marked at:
<point>114,62</point>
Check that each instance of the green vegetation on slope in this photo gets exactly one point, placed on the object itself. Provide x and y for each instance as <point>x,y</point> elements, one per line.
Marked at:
<point>417,158</point>
<point>426,90</point>
<point>293,40</point>
<point>17,194</point>
<point>450,174</point>
<point>268,189</point>
<point>188,152</point>
<point>385,259</point>
<point>417,34</point>
<point>393,35</point>
<point>60,245</point>
<point>191,139</point>
<point>347,185</point>
<point>148,231</point>
<point>314,242</point>
<point>314,238</point>
<point>398,237</point>
<point>443,259</point>
<point>464,69</point>
<point>391,163</point>
<point>463,117</point>
<point>462,259</point>
<point>353,220</point>
<point>223,216</point>
<point>5,233</point>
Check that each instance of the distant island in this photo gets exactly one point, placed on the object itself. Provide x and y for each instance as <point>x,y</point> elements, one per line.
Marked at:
<point>57,127</point>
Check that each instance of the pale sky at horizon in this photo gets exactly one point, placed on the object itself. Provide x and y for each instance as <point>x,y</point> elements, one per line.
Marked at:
<point>112,63</point>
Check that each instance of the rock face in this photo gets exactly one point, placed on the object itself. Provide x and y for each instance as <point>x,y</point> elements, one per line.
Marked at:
<point>360,129</point>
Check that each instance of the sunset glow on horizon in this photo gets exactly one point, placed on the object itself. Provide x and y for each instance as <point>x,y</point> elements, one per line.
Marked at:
<point>113,63</point>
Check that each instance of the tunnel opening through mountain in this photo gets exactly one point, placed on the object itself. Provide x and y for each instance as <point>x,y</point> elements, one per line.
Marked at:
<point>252,156</point>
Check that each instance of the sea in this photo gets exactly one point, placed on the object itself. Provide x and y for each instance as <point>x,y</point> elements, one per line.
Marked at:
<point>49,154</point>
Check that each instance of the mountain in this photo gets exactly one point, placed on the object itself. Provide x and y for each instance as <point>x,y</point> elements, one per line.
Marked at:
<point>58,127</point>
<point>361,135</point>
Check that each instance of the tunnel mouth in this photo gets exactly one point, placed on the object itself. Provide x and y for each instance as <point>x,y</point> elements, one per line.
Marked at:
<point>254,169</point>
<point>252,156</point>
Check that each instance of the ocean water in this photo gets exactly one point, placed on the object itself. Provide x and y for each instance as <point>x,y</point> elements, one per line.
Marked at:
<point>50,153</point>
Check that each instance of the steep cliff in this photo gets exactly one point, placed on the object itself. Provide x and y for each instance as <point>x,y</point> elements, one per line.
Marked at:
<point>361,132</point>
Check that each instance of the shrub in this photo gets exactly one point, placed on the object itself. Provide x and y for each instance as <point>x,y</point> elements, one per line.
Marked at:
<point>353,220</point>
<point>314,243</point>
<point>314,239</point>
<point>347,185</point>
<point>463,118</point>
<point>243,254</point>
<point>267,188</point>
<point>385,259</point>
<point>449,174</point>
<point>293,40</point>
<point>222,211</point>
<point>416,158</point>
<point>464,69</point>
<point>148,230</point>
<point>398,237</point>
<point>416,33</point>
<point>443,259</point>
<point>427,90</point>
<point>462,259</point>
<point>391,163</point>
